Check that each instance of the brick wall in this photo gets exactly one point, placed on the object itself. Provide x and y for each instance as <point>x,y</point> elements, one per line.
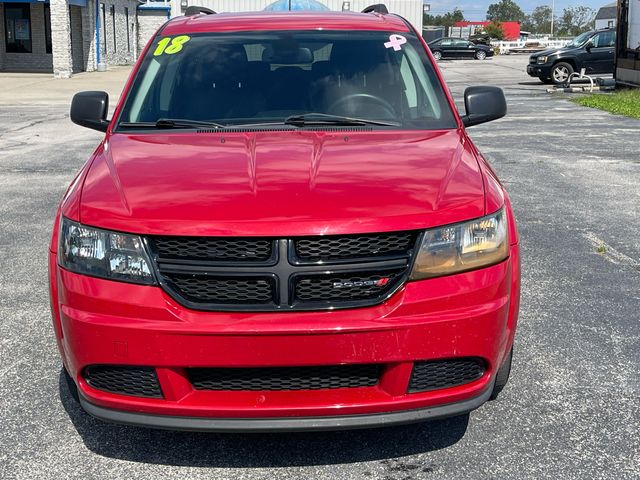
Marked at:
<point>2,38</point>
<point>77,60</point>
<point>61,38</point>
<point>89,36</point>
<point>73,32</point>
<point>77,34</point>
<point>113,26</point>
<point>38,60</point>
<point>148,23</point>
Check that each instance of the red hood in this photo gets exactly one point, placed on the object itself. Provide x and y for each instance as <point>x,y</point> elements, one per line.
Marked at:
<point>282,183</point>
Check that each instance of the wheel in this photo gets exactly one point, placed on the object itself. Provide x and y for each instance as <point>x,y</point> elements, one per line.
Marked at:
<point>71,385</point>
<point>437,55</point>
<point>502,377</point>
<point>560,72</point>
<point>481,54</point>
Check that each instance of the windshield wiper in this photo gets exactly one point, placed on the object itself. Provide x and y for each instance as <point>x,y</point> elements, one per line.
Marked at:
<point>303,120</point>
<point>172,123</point>
<point>326,119</point>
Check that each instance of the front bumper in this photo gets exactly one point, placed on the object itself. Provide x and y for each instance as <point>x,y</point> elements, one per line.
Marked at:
<point>539,70</point>
<point>100,322</point>
<point>286,424</point>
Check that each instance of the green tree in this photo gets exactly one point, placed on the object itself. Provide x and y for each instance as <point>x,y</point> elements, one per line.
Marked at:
<point>455,16</point>
<point>576,20</point>
<point>446,20</point>
<point>505,11</point>
<point>527,24</point>
<point>495,30</point>
<point>541,19</point>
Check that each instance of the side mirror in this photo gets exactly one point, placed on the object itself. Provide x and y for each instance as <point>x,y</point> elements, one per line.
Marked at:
<point>89,109</point>
<point>483,104</point>
<point>589,45</point>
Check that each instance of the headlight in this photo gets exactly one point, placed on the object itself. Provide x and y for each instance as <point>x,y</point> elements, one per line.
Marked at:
<point>100,253</point>
<point>463,246</point>
<point>542,59</point>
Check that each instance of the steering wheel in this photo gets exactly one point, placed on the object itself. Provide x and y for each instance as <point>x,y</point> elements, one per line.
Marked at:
<point>365,97</point>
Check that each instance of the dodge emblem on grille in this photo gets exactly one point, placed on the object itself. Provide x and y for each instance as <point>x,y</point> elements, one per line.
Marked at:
<point>361,283</point>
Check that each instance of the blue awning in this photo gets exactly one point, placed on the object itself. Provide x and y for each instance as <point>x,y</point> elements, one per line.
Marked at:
<point>150,6</point>
<point>296,5</point>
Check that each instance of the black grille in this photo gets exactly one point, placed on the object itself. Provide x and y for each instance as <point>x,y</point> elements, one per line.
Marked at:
<point>284,378</point>
<point>137,381</point>
<point>265,274</point>
<point>436,374</point>
<point>223,290</point>
<point>362,246</point>
<point>348,286</point>
<point>213,248</point>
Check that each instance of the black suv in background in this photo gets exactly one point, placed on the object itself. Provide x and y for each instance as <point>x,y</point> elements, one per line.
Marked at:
<point>594,51</point>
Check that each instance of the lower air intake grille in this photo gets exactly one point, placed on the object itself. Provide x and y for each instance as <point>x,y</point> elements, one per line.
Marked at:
<point>284,378</point>
<point>136,381</point>
<point>436,374</point>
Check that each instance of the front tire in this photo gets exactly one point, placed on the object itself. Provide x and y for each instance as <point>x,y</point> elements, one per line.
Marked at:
<point>561,72</point>
<point>437,55</point>
<point>502,377</point>
<point>71,385</point>
<point>481,55</point>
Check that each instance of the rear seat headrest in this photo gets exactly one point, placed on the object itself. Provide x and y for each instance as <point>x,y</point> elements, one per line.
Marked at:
<point>322,69</point>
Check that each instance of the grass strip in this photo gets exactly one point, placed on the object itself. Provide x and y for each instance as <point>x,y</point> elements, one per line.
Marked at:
<point>623,102</point>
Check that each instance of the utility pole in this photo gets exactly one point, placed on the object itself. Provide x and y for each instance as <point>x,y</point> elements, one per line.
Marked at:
<point>553,14</point>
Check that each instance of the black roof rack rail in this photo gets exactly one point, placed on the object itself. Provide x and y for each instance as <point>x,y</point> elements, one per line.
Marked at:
<point>376,8</point>
<point>195,10</point>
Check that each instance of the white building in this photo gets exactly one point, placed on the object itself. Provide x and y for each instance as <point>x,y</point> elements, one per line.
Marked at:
<point>606,16</point>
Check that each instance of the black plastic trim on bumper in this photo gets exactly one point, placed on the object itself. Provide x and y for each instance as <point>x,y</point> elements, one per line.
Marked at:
<point>539,70</point>
<point>288,424</point>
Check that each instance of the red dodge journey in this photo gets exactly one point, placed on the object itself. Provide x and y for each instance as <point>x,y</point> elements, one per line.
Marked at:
<point>285,227</point>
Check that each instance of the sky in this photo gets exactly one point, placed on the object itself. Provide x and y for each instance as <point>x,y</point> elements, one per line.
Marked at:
<point>476,10</point>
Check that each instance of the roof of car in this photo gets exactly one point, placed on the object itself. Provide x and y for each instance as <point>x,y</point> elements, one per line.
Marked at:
<point>447,38</point>
<point>254,21</point>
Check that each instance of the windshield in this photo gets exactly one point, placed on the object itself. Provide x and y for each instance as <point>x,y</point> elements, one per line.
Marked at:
<point>580,39</point>
<point>267,77</point>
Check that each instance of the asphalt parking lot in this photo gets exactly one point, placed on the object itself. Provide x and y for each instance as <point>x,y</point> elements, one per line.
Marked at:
<point>571,409</point>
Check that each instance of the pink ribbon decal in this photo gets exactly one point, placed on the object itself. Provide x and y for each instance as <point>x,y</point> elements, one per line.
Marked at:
<point>395,41</point>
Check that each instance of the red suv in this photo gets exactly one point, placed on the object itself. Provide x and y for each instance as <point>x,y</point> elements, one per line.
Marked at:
<point>285,227</point>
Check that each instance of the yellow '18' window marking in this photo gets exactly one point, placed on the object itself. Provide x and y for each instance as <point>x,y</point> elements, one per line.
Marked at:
<point>170,45</point>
